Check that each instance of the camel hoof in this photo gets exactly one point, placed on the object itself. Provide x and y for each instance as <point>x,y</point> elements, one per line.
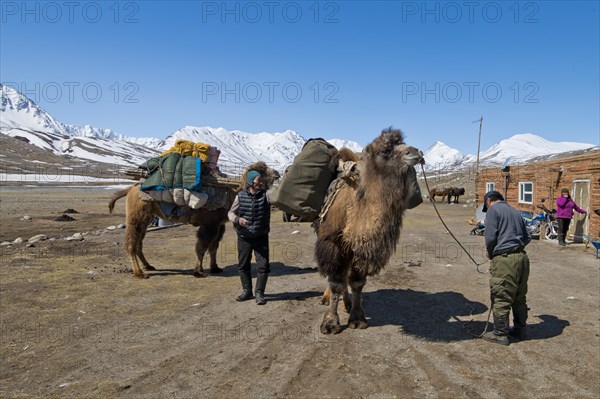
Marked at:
<point>356,323</point>
<point>140,276</point>
<point>149,268</point>
<point>331,327</point>
<point>216,270</point>
<point>324,301</point>
<point>200,274</point>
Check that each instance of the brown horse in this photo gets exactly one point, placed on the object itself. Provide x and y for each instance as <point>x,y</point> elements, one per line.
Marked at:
<point>443,192</point>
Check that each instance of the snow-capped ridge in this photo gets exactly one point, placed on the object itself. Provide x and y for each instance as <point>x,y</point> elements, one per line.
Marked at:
<point>518,148</point>
<point>24,119</point>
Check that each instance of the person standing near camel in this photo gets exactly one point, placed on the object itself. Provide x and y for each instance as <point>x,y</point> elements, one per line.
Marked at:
<point>251,216</point>
<point>564,214</point>
<point>505,238</point>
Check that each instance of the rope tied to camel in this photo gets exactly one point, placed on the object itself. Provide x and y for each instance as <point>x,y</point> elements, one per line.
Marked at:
<point>465,325</point>
<point>447,229</point>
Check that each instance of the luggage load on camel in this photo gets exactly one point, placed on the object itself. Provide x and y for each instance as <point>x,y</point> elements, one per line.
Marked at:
<point>177,176</point>
<point>304,186</point>
<point>310,184</point>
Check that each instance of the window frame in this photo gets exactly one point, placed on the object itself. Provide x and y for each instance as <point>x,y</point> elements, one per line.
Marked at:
<point>522,192</point>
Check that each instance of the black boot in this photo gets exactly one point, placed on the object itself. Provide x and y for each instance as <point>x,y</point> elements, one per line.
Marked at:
<point>246,279</point>
<point>500,333</point>
<point>561,240</point>
<point>261,284</point>
<point>519,328</point>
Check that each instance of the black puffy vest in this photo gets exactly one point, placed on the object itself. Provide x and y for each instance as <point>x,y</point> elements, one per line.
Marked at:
<point>257,211</point>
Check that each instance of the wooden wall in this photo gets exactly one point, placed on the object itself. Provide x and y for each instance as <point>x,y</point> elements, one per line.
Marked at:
<point>547,182</point>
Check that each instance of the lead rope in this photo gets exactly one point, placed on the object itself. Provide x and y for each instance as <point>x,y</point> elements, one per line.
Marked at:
<point>469,255</point>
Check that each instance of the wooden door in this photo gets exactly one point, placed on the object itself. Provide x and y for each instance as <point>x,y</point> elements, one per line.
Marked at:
<point>580,223</point>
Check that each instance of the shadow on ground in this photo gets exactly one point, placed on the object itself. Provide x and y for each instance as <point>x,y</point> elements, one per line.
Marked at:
<point>440,316</point>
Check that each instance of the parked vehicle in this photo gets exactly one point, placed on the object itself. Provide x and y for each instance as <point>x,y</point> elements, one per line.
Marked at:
<point>478,230</point>
<point>534,222</point>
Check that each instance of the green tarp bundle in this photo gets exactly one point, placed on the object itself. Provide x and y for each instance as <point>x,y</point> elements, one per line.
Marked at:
<point>173,171</point>
<point>304,186</point>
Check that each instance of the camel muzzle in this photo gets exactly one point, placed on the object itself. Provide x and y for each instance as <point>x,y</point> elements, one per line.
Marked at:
<point>413,156</point>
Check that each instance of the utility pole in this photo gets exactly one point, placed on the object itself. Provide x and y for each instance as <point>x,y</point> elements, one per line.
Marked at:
<point>480,120</point>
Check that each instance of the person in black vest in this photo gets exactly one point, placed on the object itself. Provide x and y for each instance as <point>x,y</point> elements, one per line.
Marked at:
<point>251,216</point>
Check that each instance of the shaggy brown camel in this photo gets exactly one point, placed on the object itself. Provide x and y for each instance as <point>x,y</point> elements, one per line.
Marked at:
<point>211,224</point>
<point>361,229</point>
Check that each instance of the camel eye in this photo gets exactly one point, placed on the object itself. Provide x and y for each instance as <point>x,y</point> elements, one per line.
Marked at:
<point>384,153</point>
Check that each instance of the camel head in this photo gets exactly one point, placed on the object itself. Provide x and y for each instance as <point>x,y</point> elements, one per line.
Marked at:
<point>388,152</point>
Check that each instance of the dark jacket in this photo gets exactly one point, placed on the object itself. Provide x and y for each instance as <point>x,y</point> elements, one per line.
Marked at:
<point>255,209</point>
<point>505,230</point>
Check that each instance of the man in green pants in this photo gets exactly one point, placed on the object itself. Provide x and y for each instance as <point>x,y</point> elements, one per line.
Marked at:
<point>505,239</point>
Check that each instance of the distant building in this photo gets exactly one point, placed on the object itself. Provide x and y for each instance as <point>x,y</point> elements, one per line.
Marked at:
<point>525,185</point>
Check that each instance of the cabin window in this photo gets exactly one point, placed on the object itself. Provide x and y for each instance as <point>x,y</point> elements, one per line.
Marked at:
<point>525,192</point>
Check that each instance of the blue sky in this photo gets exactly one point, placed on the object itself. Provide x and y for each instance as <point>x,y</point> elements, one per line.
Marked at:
<point>325,69</point>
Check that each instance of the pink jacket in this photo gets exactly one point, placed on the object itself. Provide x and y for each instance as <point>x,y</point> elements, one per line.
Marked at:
<point>565,208</point>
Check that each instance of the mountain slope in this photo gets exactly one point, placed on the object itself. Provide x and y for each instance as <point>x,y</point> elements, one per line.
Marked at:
<point>516,149</point>
<point>24,120</point>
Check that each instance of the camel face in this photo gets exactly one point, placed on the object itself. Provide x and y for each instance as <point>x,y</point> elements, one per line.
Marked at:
<point>388,152</point>
<point>410,155</point>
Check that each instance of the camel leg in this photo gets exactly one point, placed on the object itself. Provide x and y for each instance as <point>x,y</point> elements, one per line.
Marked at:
<point>357,317</point>
<point>346,299</point>
<point>213,248</point>
<point>331,320</point>
<point>205,242</point>
<point>140,254</point>
<point>200,251</point>
<point>326,296</point>
<point>133,234</point>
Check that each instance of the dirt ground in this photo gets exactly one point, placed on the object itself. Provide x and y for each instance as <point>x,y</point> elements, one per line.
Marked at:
<point>75,323</point>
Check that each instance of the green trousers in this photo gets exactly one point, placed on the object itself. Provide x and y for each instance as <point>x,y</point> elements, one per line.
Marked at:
<point>508,282</point>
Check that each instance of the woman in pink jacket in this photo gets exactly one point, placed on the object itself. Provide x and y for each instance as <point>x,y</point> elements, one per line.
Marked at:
<point>564,214</point>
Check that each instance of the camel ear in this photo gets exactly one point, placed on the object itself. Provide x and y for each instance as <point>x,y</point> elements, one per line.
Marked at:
<point>368,150</point>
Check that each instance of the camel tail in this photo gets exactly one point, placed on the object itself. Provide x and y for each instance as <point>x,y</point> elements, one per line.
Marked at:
<point>116,196</point>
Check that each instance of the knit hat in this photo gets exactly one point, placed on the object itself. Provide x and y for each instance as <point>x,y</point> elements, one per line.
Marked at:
<point>250,177</point>
<point>564,191</point>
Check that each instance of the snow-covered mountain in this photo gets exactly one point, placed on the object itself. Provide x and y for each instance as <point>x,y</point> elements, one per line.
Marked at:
<point>516,149</point>
<point>353,145</point>
<point>23,119</point>
<point>522,147</point>
<point>440,155</point>
<point>19,112</point>
<point>240,148</point>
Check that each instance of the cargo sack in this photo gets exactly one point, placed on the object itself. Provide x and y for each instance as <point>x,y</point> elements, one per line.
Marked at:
<point>173,171</point>
<point>180,196</point>
<point>304,186</point>
<point>414,197</point>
